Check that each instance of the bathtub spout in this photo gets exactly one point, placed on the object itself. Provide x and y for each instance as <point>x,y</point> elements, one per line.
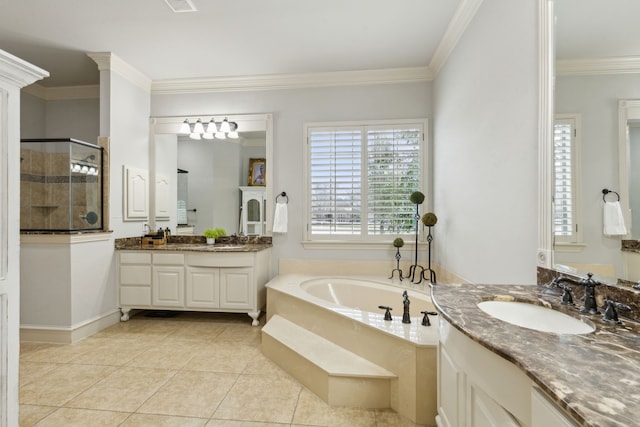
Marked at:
<point>406,317</point>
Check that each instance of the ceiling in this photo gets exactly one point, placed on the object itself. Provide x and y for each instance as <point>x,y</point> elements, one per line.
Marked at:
<point>223,38</point>
<point>591,29</point>
<point>267,37</point>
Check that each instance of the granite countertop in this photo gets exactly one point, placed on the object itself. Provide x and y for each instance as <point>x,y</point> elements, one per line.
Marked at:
<point>595,377</point>
<point>198,244</point>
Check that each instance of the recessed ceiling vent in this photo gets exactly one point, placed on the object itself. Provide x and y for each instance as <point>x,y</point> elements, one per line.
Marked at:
<point>179,6</point>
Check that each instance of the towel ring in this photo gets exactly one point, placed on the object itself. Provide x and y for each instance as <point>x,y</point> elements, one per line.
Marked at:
<point>283,194</point>
<point>605,192</point>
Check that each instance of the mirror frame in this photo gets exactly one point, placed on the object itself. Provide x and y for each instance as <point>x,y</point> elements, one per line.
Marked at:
<point>246,122</point>
<point>628,109</point>
<point>546,68</point>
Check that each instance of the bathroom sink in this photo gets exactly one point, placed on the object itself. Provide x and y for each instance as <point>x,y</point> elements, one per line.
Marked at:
<point>535,317</point>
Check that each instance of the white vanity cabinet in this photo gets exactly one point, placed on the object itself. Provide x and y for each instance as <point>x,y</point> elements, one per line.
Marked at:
<point>190,280</point>
<point>167,286</point>
<point>478,388</point>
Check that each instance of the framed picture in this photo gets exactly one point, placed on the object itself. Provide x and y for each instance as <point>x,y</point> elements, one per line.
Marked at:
<point>257,172</point>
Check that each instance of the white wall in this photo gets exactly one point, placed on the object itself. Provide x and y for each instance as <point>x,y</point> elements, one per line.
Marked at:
<point>46,287</point>
<point>596,99</point>
<point>33,116</point>
<point>128,128</point>
<point>485,152</point>
<point>77,118</point>
<point>73,118</point>
<point>291,109</point>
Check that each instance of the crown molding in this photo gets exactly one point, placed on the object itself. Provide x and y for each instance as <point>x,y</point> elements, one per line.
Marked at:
<point>456,28</point>
<point>291,81</point>
<point>110,61</point>
<point>63,92</point>
<point>19,72</point>
<point>585,67</point>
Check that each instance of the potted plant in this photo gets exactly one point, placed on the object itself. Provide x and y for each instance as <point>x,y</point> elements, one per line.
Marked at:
<point>213,233</point>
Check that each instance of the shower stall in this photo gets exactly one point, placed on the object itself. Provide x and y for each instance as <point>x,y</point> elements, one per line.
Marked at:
<point>61,185</point>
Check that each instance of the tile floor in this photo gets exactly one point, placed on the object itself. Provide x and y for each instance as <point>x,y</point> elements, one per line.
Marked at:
<point>192,369</point>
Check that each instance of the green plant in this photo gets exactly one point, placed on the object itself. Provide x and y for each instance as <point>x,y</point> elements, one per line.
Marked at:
<point>214,233</point>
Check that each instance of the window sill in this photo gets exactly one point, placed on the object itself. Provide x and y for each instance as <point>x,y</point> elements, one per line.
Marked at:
<point>345,244</point>
<point>569,247</point>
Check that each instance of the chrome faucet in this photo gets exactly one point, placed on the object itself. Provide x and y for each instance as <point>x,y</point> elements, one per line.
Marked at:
<point>590,305</point>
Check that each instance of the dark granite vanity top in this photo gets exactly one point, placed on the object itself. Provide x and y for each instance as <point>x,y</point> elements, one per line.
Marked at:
<point>198,244</point>
<point>595,377</point>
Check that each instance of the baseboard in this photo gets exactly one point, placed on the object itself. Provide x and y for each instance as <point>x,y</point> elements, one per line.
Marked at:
<point>62,335</point>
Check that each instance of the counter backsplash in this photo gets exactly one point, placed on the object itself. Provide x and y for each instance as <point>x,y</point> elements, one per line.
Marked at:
<point>622,293</point>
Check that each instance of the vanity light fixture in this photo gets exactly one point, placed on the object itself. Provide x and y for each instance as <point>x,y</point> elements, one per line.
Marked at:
<point>218,130</point>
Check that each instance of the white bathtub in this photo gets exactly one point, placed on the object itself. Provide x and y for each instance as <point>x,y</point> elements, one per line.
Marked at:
<point>344,310</point>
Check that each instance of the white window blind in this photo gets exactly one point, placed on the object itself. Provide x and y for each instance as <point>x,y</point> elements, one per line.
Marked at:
<point>566,196</point>
<point>360,179</point>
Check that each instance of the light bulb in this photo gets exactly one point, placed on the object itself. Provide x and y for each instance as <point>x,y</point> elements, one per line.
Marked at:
<point>220,135</point>
<point>195,136</point>
<point>211,127</point>
<point>84,170</point>
<point>233,135</point>
<point>185,128</point>
<point>198,128</point>
<point>207,135</point>
<point>224,126</point>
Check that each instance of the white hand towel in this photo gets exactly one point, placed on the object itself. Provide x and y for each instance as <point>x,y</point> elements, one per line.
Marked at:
<point>613,220</point>
<point>280,218</point>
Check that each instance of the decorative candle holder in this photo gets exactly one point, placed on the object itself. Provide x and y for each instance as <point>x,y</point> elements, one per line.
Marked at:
<point>429,219</point>
<point>397,243</point>
<point>417,198</point>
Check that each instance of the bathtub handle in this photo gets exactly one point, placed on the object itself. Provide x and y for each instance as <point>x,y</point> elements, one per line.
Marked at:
<point>387,313</point>
<point>425,319</point>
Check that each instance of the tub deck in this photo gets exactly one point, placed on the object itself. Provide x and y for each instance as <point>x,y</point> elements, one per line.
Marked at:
<point>325,329</point>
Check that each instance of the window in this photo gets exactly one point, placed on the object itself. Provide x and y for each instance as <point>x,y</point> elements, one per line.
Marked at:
<point>360,177</point>
<point>566,213</point>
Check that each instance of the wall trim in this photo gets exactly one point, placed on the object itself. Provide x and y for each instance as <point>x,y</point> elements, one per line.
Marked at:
<point>65,239</point>
<point>110,61</point>
<point>63,92</point>
<point>599,66</point>
<point>68,335</point>
<point>457,26</point>
<point>291,81</point>
<point>19,72</point>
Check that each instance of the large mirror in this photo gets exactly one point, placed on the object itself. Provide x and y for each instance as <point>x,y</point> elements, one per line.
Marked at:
<point>597,47</point>
<point>200,183</point>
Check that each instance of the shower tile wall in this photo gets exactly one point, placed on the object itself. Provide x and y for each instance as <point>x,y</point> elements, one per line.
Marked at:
<point>47,201</point>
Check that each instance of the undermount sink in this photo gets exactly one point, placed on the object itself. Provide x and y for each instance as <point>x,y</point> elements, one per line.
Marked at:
<point>535,317</point>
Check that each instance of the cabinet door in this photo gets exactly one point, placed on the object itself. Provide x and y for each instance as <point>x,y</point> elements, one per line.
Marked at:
<point>545,413</point>
<point>237,288</point>
<point>485,412</point>
<point>203,287</point>
<point>450,391</point>
<point>168,285</point>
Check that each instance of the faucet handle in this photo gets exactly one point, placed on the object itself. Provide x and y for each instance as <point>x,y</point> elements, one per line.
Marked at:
<point>610,313</point>
<point>567,297</point>
<point>387,313</point>
<point>425,319</point>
